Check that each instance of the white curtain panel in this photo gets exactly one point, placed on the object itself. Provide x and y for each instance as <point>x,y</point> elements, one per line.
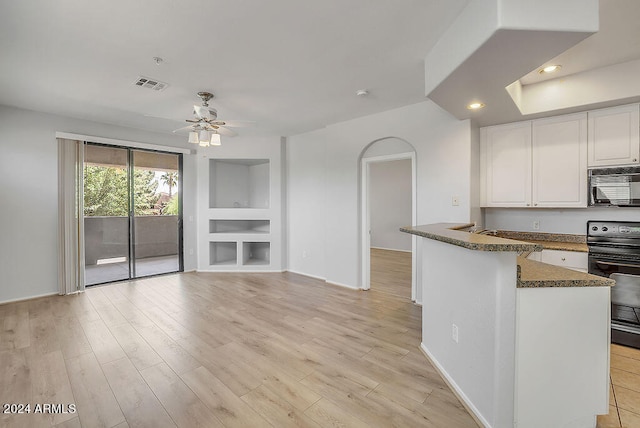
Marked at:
<point>70,216</point>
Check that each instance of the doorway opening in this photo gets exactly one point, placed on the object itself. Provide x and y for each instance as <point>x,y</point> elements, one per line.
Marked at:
<point>388,202</point>
<point>132,213</point>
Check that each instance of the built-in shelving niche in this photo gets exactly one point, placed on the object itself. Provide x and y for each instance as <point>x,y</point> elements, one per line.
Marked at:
<point>239,226</point>
<point>239,183</point>
<point>256,253</point>
<point>223,253</point>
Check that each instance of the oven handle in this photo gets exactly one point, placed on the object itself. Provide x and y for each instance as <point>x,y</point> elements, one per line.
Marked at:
<point>616,264</point>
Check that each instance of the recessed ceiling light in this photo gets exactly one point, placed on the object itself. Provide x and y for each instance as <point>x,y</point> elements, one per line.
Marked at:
<point>550,69</point>
<point>475,106</point>
<point>362,93</point>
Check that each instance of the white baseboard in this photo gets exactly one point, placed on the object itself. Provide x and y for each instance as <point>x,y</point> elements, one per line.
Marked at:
<point>342,285</point>
<point>390,249</point>
<point>475,413</point>
<point>238,271</point>
<point>321,278</point>
<point>22,299</point>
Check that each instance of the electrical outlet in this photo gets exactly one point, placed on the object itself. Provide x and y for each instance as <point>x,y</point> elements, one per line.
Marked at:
<point>455,201</point>
<point>454,332</point>
<point>536,225</point>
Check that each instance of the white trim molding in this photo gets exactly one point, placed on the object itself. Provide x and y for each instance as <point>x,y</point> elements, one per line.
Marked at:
<point>123,143</point>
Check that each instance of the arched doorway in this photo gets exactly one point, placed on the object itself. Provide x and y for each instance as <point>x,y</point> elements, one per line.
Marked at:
<point>379,152</point>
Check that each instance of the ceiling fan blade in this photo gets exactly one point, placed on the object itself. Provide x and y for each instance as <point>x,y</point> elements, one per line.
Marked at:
<point>224,131</point>
<point>186,128</point>
<point>233,123</point>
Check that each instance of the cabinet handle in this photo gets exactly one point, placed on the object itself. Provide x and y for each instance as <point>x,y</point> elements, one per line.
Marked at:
<point>535,205</point>
<point>563,259</point>
<point>528,204</point>
<point>635,160</point>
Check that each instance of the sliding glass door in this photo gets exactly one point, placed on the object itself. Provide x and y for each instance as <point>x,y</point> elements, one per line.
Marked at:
<point>156,217</point>
<point>132,213</point>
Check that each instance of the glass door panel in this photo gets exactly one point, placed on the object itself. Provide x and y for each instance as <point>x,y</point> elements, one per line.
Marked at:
<point>106,214</point>
<point>156,214</point>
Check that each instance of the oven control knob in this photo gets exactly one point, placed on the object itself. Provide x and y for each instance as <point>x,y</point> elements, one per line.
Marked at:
<point>594,228</point>
<point>605,228</point>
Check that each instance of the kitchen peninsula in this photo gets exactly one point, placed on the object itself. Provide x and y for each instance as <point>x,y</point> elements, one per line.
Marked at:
<point>522,343</point>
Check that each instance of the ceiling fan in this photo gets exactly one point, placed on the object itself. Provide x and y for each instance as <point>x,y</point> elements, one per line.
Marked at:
<point>205,129</point>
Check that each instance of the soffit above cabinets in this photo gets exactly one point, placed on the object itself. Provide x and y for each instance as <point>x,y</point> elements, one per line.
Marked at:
<point>597,44</point>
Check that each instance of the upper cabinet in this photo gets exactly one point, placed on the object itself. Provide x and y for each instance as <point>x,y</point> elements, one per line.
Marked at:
<point>540,163</point>
<point>614,136</point>
<point>505,155</point>
<point>559,150</point>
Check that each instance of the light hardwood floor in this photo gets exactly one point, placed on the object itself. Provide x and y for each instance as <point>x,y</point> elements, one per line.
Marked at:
<point>391,272</point>
<point>222,350</point>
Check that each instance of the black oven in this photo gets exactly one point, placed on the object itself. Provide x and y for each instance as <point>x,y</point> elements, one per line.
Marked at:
<point>614,252</point>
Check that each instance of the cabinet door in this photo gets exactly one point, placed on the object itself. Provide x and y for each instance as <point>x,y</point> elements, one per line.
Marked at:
<point>567,259</point>
<point>560,161</point>
<point>506,156</point>
<point>613,136</point>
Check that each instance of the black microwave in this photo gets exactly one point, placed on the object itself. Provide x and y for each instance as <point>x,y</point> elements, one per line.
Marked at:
<point>614,187</point>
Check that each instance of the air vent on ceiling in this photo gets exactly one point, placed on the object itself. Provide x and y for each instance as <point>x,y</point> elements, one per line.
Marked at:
<point>146,82</point>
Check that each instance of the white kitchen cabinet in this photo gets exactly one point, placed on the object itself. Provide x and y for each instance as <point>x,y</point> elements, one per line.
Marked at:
<point>567,259</point>
<point>540,163</point>
<point>614,137</point>
<point>506,165</point>
<point>535,256</point>
<point>559,151</point>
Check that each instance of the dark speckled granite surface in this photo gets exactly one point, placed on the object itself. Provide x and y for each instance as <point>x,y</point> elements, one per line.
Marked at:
<point>531,274</point>
<point>451,234</point>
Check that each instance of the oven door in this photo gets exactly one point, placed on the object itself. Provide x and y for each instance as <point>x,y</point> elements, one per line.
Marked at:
<point>608,265</point>
<point>625,295</point>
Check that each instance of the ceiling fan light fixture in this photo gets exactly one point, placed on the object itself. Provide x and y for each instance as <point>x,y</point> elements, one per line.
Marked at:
<point>193,137</point>
<point>203,135</point>
<point>215,139</point>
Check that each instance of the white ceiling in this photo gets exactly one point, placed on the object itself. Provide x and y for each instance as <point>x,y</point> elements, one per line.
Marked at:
<point>289,65</point>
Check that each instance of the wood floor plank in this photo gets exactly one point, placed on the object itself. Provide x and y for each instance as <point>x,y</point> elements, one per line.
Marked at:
<point>178,359</point>
<point>329,415</point>
<point>73,342</point>
<point>223,402</point>
<point>137,349</point>
<point>276,410</point>
<point>15,333</point>
<point>138,403</point>
<point>50,383</point>
<point>104,345</point>
<point>96,404</point>
<point>184,407</point>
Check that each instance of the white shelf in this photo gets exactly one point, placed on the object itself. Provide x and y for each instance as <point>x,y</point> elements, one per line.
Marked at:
<point>239,226</point>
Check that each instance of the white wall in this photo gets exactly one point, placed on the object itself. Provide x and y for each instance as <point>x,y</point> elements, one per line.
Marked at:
<point>29,195</point>
<point>442,146</point>
<point>306,207</point>
<point>572,221</point>
<point>390,204</point>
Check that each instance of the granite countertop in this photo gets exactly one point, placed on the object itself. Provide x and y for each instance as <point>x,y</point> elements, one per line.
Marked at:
<point>549,241</point>
<point>532,274</point>
<point>451,233</point>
